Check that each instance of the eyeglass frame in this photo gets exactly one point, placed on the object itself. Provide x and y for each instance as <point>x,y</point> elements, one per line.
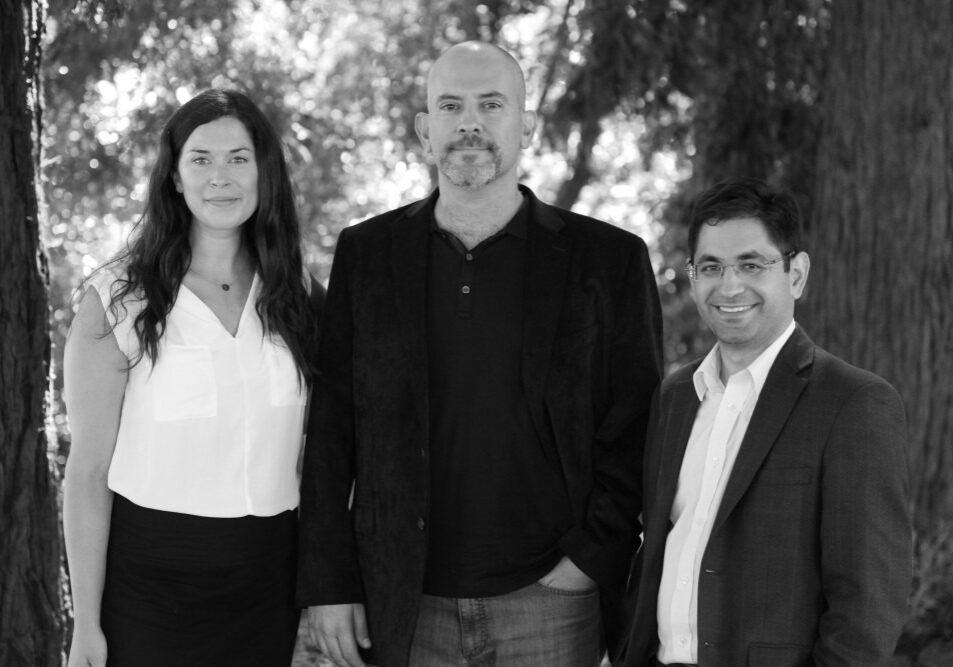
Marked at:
<point>692,269</point>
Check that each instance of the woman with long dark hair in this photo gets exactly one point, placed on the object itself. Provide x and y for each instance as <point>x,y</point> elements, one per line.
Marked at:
<point>186,376</point>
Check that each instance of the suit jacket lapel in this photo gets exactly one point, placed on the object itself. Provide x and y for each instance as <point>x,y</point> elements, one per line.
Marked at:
<point>547,267</point>
<point>679,417</point>
<point>409,239</point>
<point>778,397</point>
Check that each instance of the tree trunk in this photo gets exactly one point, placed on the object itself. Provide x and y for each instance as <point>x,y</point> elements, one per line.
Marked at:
<point>31,612</point>
<point>880,292</point>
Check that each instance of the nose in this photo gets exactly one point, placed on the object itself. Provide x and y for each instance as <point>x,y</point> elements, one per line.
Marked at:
<point>219,175</point>
<point>469,122</point>
<point>730,283</point>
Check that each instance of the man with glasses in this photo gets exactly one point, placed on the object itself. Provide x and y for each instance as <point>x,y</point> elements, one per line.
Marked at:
<point>775,492</point>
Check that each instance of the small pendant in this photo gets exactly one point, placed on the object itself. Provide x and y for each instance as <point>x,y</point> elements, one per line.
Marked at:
<point>225,286</point>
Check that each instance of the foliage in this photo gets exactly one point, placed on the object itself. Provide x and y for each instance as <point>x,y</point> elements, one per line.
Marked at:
<point>931,603</point>
<point>342,82</point>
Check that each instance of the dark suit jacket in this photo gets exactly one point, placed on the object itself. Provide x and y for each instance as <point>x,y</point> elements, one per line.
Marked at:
<point>591,361</point>
<point>809,559</point>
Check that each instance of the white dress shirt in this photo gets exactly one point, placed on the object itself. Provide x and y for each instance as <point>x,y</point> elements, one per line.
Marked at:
<point>215,427</point>
<point>720,424</point>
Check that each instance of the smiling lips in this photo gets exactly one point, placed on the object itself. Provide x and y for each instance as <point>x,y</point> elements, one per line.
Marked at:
<point>733,309</point>
<point>221,201</point>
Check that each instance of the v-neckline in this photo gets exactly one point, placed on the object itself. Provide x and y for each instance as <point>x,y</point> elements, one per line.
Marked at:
<point>211,313</point>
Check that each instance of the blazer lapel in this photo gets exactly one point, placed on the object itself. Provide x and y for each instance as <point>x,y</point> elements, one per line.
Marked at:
<point>409,237</point>
<point>679,419</point>
<point>778,397</point>
<point>547,267</point>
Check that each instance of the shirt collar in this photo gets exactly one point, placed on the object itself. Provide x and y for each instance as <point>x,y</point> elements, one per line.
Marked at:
<point>517,226</point>
<point>707,376</point>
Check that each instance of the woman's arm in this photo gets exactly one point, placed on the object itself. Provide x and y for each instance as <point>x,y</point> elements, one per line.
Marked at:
<point>95,372</point>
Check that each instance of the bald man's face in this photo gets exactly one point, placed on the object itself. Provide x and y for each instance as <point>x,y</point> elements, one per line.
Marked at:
<point>476,124</point>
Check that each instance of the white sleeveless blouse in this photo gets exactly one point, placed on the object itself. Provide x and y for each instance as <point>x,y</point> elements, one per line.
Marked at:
<point>215,427</point>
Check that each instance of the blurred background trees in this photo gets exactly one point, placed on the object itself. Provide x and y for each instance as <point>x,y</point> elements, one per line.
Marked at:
<point>643,103</point>
<point>32,617</point>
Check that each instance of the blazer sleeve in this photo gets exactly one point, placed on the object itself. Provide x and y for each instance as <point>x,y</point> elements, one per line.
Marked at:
<point>866,534</point>
<point>328,571</point>
<point>603,545</point>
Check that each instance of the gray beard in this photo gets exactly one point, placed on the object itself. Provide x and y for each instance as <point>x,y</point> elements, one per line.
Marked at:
<point>471,176</point>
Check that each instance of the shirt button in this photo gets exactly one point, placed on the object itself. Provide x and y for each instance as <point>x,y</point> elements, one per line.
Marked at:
<point>465,289</point>
<point>469,257</point>
<point>421,524</point>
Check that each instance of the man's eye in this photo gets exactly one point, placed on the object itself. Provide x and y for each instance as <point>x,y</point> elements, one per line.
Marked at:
<point>492,105</point>
<point>751,268</point>
<point>448,107</point>
<point>709,269</point>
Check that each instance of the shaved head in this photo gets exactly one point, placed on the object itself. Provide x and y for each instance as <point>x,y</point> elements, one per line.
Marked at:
<point>471,53</point>
<point>476,122</point>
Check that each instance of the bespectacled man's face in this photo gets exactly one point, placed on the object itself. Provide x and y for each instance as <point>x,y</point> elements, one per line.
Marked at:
<point>745,312</point>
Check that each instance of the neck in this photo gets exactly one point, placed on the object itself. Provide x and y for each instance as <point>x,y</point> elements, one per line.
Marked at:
<point>473,216</point>
<point>220,259</point>
<point>732,361</point>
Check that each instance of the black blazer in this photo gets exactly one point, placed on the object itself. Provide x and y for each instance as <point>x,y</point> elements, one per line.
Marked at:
<point>809,559</point>
<point>591,361</point>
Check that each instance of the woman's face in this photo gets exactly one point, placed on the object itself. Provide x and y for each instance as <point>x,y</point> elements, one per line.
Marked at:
<point>218,175</point>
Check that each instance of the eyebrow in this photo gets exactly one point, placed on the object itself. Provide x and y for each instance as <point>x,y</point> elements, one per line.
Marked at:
<point>206,151</point>
<point>751,254</point>
<point>482,96</point>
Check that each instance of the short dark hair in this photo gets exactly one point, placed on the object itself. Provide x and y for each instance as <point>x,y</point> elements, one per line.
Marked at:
<point>747,197</point>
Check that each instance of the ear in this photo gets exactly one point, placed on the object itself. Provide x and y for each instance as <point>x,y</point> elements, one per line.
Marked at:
<point>422,126</point>
<point>177,181</point>
<point>529,127</point>
<point>800,267</point>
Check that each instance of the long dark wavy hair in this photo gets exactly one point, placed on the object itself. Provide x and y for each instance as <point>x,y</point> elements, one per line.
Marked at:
<point>158,253</point>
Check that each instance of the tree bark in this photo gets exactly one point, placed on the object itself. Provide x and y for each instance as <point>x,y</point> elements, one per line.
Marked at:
<point>882,248</point>
<point>31,611</point>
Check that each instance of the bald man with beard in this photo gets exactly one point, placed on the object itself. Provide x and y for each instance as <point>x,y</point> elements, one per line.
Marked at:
<point>471,480</point>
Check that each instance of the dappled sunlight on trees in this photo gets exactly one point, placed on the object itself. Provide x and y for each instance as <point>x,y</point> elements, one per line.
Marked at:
<point>342,84</point>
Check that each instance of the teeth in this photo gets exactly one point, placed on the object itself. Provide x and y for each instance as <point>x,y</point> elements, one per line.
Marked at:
<point>733,309</point>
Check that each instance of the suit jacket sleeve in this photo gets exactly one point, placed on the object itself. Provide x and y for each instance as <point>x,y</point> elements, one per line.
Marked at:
<point>603,545</point>
<point>328,571</point>
<point>866,545</point>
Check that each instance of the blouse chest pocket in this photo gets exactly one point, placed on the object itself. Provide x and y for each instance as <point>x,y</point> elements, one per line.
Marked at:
<point>184,382</point>
<point>284,387</point>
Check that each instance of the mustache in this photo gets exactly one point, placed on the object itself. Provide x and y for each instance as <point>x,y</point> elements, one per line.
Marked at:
<point>472,141</point>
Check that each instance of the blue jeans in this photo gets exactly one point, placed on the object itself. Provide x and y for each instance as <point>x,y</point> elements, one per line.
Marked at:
<point>533,626</point>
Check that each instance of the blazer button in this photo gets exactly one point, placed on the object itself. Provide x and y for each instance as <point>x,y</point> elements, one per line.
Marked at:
<point>421,523</point>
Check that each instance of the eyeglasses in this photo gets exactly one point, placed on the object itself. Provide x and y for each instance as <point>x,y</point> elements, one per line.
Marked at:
<point>751,268</point>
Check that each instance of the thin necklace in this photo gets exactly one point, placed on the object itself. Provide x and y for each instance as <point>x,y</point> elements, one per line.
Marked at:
<point>225,286</point>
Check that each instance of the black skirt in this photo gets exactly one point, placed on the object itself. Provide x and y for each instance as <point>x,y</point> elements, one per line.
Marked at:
<point>187,590</point>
